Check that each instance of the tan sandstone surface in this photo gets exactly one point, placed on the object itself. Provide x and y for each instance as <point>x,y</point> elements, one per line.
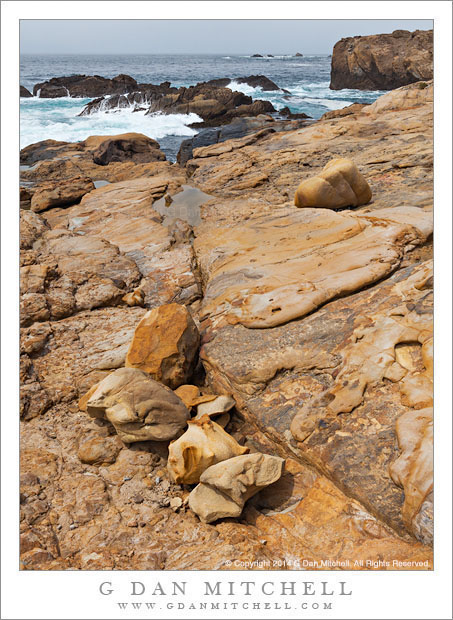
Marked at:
<point>316,322</point>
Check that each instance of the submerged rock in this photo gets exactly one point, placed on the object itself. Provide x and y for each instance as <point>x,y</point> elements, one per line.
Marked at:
<point>139,408</point>
<point>224,488</point>
<point>340,184</point>
<point>165,345</point>
<point>202,445</point>
<point>382,61</point>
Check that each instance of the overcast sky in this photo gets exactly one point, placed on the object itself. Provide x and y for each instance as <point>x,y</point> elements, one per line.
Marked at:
<point>198,36</point>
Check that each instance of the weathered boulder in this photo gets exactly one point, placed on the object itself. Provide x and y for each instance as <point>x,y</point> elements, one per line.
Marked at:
<point>138,407</point>
<point>382,61</point>
<point>413,471</point>
<point>224,488</point>
<point>126,147</point>
<point>24,92</point>
<point>298,55</point>
<point>61,194</point>
<point>165,345</point>
<point>205,443</point>
<point>340,184</point>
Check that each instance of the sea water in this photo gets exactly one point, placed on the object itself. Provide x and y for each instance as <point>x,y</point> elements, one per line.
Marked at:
<point>307,80</point>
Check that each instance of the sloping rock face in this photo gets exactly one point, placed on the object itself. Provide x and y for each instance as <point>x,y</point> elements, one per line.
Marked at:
<point>340,387</point>
<point>382,61</point>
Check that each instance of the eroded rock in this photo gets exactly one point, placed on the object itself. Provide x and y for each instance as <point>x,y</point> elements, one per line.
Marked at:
<point>340,184</point>
<point>413,470</point>
<point>224,488</point>
<point>61,194</point>
<point>165,345</point>
<point>275,268</point>
<point>205,443</point>
<point>138,407</point>
<point>382,61</point>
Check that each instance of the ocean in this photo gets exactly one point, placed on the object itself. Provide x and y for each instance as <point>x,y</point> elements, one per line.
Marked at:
<point>307,78</point>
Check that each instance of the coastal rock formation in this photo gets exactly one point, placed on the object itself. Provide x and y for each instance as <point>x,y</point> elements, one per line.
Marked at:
<point>24,92</point>
<point>238,128</point>
<point>255,81</point>
<point>205,443</point>
<point>84,86</point>
<point>126,147</point>
<point>215,105</point>
<point>61,194</point>
<point>382,61</point>
<point>356,489</point>
<point>137,406</point>
<point>165,345</point>
<point>311,257</point>
<point>224,488</point>
<point>340,184</point>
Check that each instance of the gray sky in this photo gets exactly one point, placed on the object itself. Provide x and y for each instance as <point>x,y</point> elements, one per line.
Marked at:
<point>198,36</point>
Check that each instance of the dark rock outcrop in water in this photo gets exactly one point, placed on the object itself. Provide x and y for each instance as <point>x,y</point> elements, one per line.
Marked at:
<point>255,81</point>
<point>216,106</point>
<point>86,86</point>
<point>382,61</point>
<point>24,92</point>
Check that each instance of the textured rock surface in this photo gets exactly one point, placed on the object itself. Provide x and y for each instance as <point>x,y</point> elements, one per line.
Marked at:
<point>139,408</point>
<point>336,504</point>
<point>279,267</point>
<point>205,443</point>
<point>165,345</point>
<point>224,488</point>
<point>340,184</point>
<point>127,147</point>
<point>413,470</point>
<point>61,194</point>
<point>382,61</point>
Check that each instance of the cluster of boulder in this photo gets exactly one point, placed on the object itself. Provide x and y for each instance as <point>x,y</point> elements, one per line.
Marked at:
<point>139,401</point>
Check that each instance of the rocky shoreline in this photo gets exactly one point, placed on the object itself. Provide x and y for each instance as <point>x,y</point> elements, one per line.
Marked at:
<point>230,357</point>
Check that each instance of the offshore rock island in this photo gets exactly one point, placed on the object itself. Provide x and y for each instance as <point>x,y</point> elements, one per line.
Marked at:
<point>226,361</point>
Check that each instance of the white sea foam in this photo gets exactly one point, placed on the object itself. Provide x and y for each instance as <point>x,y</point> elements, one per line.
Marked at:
<point>57,119</point>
